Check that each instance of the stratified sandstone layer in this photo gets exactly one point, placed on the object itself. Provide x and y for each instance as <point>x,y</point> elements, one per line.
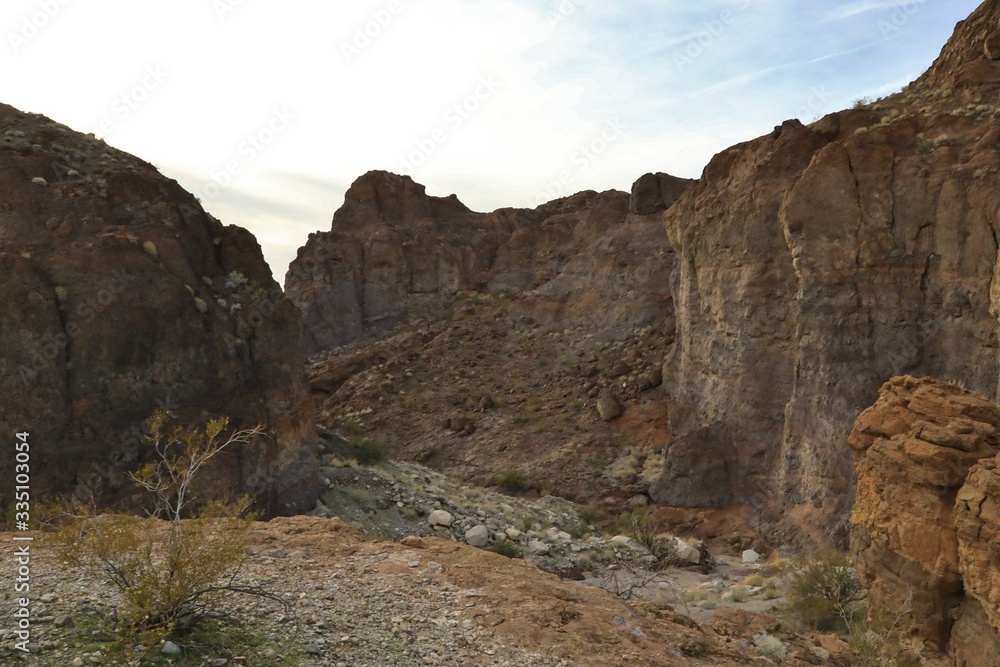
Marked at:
<point>395,254</point>
<point>925,523</point>
<point>818,261</point>
<point>121,297</point>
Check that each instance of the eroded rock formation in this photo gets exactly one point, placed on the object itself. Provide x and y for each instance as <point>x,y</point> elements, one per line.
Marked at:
<point>396,254</point>
<point>122,296</point>
<point>817,261</point>
<point>925,523</point>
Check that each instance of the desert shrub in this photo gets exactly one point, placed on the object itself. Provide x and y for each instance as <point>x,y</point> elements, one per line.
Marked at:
<point>641,526</point>
<point>171,571</point>
<point>770,647</point>
<point>824,593</point>
<point>369,451</point>
<point>506,547</point>
<point>739,594</point>
<point>512,481</point>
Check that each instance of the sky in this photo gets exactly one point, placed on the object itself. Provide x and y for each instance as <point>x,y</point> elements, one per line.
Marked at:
<point>268,111</point>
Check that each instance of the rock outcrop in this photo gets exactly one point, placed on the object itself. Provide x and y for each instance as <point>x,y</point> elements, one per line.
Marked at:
<point>817,261</point>
<point>924,527</point>
<point>396,254</point>
<point>121,297</point>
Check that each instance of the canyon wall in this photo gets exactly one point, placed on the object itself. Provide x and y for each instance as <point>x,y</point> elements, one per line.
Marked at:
<point>122,297</point>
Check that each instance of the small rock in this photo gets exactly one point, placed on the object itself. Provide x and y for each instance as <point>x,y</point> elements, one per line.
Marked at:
<point>538,548</point>
<point>63,621</point>
<point>440,518</point>
<point>686,552</point>
<point>218,662</point>
<point>270,654</point>
<point>413,542</point>
<point>312,649</point>
<point>77,662</point>
<point>635,502</point>
<point>514,534</point>
<point>477,536</point>
<point>486,403</point>
<point>38,180</point>
<point>750,557</point>
<point>49,598</point>
<point>608,406</point>
<point>170,648</point>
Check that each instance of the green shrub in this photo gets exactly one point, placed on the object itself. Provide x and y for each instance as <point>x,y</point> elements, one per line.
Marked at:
<point>770,647</point>
<point>511,481</point>
<point>505,547</point>
<point>172,572</point>
<point>823,593</point>
<point>641,526</point>
<point>369,451</point>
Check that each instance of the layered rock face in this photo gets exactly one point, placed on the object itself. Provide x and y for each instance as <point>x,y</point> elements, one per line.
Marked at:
<point>816,262</point>
<point>121,297</point>
<point>925,525</point>
<point>396,254</point>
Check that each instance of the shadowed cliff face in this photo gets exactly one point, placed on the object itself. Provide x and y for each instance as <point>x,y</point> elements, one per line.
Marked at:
<point>395,254</point>
<point>820,260</point>
<point>122,296</point>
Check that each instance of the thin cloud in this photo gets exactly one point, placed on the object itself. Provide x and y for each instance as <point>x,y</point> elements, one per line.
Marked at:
<point>863,7</point>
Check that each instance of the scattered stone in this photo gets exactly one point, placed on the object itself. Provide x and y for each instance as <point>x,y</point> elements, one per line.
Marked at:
<point>312,649</point>
<point>486,403</point>
<point>63,621</point>
<point>750,557</point>
<point>608,406</point>
<point>477,536</point>
<point>686,552</point>
<point>635,502</point>
<point>440,518</point>
<point>170,648</point>
<point>38,180</point>
<point>49,598</point>
<point>538,548</point>
<point>514,534</point>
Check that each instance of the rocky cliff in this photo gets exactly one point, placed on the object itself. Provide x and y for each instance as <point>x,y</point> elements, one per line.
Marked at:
<point>121,297</point>
<point>396,254</point>
<point>924,528</point>
<point>817,261</point>
<point>515,324</point>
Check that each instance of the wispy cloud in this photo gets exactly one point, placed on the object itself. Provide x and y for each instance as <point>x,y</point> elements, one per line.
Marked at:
<point>863,7</point>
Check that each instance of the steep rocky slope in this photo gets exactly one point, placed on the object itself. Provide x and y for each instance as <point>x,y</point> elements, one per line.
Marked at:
<point>925,525</point>
<point>122,296</point>
<point>817,261</point>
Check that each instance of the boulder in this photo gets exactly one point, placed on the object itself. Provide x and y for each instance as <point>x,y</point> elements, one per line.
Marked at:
<point>751,557</point>
<point>477,536</point>
<point>440,518</point>
<point>608,406</point>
